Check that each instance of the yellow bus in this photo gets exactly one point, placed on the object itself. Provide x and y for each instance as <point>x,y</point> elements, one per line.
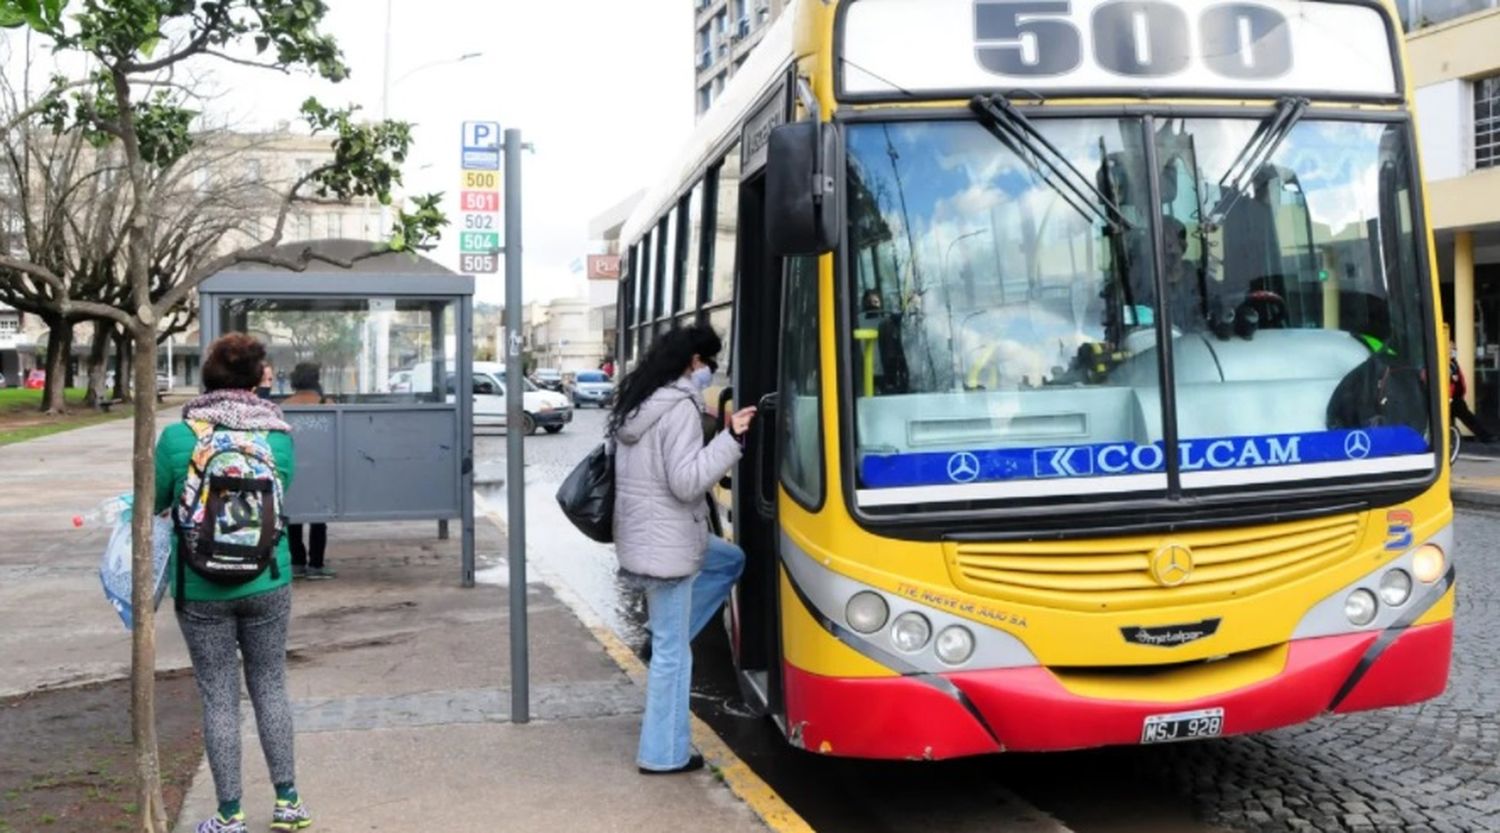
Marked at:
<point>1098,356</point>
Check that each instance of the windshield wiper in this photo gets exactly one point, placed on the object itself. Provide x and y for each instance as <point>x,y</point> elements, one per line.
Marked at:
<point>1018,134</point>
<point>1272,131</point>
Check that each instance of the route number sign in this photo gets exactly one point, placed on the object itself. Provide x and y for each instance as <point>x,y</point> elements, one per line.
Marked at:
<point>480,221</point>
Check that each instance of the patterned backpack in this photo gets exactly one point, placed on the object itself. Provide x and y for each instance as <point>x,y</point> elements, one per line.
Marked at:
<point>229,517</point>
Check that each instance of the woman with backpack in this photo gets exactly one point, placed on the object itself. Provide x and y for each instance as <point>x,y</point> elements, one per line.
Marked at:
<point>663,470</point>
<point>225,616</point>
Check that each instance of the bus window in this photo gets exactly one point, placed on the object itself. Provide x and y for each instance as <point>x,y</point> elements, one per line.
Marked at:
<point>722,322</point>
<point>647,278</point>
<point>726,228</point>
<point>1312,292</point>
<point>692,234</point>
<point>994,313</point>
<point>801,452</point>
<point>662,281</point>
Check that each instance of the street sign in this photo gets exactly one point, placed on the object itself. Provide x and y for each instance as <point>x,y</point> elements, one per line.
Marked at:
<point>479,242</point>
<point>479,203</point>
<point>482,180</point>
<point>482,201</point>
<point>478,264</point>
<point>481,146</point>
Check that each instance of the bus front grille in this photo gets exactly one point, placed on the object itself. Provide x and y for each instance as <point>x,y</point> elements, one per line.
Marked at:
<point>1118,575</point>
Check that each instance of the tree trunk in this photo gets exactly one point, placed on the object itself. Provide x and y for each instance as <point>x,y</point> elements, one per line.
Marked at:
<point>59,344</point>
<point>98,349</point>
<point>142,599</point>
<point>70,369</point>
<point>122,367</point>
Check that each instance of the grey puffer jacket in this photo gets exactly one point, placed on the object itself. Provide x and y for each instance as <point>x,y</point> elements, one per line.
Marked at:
<point>662,473</point>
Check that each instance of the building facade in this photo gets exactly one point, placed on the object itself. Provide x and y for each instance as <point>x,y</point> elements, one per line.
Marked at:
<point>1455,69</point>
<point>604,269</point>
<point>560,334</point>
<point>724,33</point>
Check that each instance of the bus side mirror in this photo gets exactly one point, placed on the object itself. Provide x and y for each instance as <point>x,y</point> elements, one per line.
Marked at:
<point>802,204</point>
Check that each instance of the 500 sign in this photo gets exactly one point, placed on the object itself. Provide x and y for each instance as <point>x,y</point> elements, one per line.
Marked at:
<point>1137,38</point>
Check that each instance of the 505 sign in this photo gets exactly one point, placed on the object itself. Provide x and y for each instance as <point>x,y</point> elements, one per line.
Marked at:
<point>1135,38</point>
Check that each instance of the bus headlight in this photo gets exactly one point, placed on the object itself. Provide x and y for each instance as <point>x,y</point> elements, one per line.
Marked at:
<point>910,632</point>
<point>1395,587</point>
<point>866,612</point>
<point>955,645</point>
<point>1361,607</point>
<point>1428,563</point>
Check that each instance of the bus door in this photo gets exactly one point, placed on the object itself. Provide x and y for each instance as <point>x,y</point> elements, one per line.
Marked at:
<point>757,330</point>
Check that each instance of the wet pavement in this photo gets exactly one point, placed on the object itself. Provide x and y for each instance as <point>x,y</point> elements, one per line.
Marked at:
<point>1428,767</point>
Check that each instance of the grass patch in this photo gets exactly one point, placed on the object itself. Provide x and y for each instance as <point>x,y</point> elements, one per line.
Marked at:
<point>22,400</point>
<point>20,419</point>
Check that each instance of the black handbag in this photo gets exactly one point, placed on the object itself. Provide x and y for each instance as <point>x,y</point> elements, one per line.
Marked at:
<point>587,496</point>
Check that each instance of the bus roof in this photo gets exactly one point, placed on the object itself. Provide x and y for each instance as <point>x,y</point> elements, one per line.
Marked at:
<point>767,61</point>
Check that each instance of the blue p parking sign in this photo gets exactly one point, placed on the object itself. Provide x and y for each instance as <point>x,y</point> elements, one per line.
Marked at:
<point>481,146</point>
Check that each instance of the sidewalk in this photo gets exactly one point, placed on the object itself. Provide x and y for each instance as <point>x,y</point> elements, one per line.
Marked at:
<point>1476,479</point>
<point>400,679</point>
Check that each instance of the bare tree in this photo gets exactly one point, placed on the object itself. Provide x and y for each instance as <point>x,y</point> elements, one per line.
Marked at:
<point>131,105</point>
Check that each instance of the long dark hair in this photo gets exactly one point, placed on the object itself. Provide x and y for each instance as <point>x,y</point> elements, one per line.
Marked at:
<point>666,361</point>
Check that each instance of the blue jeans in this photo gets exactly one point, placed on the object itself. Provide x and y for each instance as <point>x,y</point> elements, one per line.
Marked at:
<point>679,609</point>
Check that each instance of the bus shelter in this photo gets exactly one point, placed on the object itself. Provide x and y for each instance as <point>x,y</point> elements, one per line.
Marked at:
<point>394,438</point>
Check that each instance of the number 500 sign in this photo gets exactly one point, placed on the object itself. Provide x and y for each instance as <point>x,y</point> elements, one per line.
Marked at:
<point>1141,38</point>
<point>896,48</point>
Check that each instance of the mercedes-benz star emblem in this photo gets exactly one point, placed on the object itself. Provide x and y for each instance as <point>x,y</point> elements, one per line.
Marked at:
<point>963,467</point>
<point>1172,565</point>
<point>1357,445</point>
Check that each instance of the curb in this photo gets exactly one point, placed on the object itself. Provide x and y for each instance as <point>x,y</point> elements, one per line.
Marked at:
<point>1476,498</point>
<point>742,781</point>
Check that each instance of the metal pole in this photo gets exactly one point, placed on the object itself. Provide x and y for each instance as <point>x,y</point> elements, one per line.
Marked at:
<point>515,462</point>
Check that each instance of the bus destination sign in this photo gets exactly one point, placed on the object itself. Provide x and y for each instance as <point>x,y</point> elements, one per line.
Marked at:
<point>956,48</point>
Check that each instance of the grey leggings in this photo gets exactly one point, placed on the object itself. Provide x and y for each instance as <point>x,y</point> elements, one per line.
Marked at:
<point>256,626</point>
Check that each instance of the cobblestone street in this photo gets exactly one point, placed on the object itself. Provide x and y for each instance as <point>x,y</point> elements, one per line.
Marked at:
<point>1427,767</point>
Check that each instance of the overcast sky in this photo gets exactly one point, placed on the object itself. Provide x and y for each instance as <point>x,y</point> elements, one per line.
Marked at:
<point>603,88</point>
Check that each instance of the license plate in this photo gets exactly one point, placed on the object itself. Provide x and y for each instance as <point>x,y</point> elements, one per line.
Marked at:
<point>1166,728</point>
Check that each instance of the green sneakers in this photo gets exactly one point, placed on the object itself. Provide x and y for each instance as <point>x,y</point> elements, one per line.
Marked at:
<point>290,815</point>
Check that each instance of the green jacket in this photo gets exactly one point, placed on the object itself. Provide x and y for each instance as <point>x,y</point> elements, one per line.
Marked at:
<point>174,452</point>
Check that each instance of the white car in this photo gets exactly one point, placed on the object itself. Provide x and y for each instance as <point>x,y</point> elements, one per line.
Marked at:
<point>542,408</point>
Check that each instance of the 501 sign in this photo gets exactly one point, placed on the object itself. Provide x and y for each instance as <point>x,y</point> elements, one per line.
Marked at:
<point>1137,38</point>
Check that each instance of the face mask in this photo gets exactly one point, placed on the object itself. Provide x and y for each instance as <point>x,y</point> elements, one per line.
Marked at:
<point>702,378</point>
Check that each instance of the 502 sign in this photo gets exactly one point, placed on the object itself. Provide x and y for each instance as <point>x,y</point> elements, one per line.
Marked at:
<point>1134,38</point>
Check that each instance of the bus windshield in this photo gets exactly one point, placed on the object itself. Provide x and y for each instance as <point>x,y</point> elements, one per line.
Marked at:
<point>1007,344</point>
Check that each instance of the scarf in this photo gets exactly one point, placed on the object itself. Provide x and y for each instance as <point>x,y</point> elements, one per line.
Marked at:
<point>237,410</point>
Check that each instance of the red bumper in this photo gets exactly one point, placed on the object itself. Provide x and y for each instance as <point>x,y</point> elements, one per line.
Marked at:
<point>1027,709</point>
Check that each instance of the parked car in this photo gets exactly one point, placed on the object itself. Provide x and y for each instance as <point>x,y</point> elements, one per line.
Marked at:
<point>3,383</point>
<point>592,387</point>
<point>400,382</point>
<point>163,384</point>
<point>543,409</point>
<point>35,380</point>
<point>548,378</point>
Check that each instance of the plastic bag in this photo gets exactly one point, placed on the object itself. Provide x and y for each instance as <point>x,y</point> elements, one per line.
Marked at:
<point>114,569</point>
<point>587,496</point>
